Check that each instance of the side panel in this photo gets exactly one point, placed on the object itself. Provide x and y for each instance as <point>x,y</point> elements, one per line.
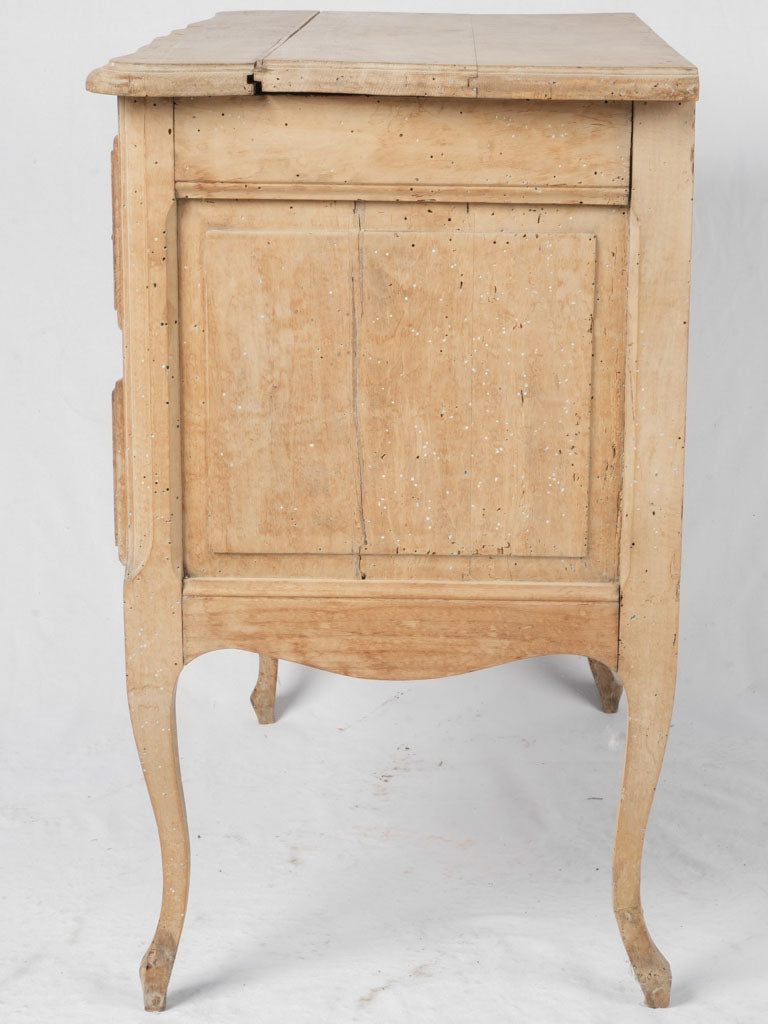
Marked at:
<point>401,389</point>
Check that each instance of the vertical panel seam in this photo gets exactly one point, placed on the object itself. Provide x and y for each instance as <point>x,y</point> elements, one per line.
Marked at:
<point>355,375</point>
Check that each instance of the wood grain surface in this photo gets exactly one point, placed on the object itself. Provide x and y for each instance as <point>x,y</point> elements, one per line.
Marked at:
<point>533,56</point>
<point>380,389</point>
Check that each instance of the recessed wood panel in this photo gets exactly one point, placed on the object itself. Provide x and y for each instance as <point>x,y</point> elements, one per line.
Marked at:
<point>475,361</point>
<point>415,392</point>
<point>533,302</point>
<point>282,455</point>
<point>267,325</point>
<point>401,390</point>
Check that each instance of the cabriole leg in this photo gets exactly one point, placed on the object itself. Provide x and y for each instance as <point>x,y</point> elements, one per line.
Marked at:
<point>649,708</point>
<point>263,696</point>
<point>652,492</point>
<point>148,286</point>
<point>608,686</point>
<point>153,713</point>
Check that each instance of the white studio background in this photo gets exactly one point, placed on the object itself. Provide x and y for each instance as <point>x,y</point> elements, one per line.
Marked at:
<point>386,852</point>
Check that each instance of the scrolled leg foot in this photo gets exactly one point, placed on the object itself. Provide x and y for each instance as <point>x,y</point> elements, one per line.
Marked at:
<point>263,696</point>
<point>152,703</point>
<point>650,966</point>
<point>608,686</point>
<point>155,970</point>
<point>650,691</point>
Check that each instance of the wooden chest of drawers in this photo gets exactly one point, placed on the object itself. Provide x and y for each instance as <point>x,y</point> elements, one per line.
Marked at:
<point>404,310</point>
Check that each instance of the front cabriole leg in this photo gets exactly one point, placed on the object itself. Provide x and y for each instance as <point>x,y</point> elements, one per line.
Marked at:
<point>652,493</point>
<point>151,697</point>
<point>650,691</point>
<point>152,460</point>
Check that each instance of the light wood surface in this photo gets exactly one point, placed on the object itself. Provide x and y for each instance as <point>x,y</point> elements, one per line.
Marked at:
<point>235,586</point>
<point>280,354</point>
<point>215,57</point>
<point>117,224</point>
<point>398,638</point>
<point>473,440</point>
<point>392,629</point>
<point>660,246</point>
<point>263,696</point>
<point>118,469</point>
<point>356,140</point>
<point>525,195</point>
<point>403,390</point>
<point>577,56</point>
<point>153,619</point>
<point>608,686</point>
<point>467,409</point>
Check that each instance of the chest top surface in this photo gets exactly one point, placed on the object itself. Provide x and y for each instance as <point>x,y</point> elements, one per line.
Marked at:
<point>515,56</point>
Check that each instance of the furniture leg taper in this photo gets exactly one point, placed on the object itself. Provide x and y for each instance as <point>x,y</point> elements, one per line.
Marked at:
<point>263,696</point>
<point>404,304</point>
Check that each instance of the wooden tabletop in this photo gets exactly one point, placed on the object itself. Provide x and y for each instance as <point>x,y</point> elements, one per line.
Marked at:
<point>520,56</point>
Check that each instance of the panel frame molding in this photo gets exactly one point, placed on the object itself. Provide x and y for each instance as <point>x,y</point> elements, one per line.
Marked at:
<point>528,195</point>
<point>599,561</point>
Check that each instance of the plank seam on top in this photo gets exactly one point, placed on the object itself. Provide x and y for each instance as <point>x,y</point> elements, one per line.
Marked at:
<point>474,47</point>
<point>280,42</point>
<point>609,57</point>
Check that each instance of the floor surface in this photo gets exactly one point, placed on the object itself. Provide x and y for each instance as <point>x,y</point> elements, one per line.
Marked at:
<point>390,852</point>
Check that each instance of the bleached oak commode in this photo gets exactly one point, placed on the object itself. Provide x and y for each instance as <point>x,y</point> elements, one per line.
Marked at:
<point>404,302</point>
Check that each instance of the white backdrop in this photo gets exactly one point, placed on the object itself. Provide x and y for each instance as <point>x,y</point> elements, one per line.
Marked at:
<point>386,852</point>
